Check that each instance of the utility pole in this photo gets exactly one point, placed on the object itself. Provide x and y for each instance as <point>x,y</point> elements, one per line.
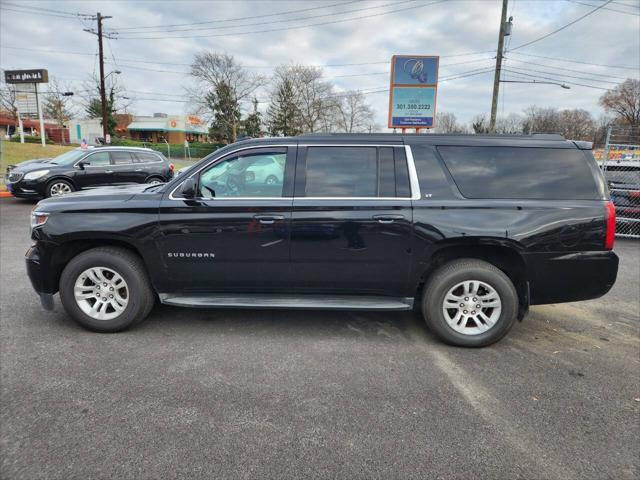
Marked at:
<point>496,78</point>
<point>103,94</point>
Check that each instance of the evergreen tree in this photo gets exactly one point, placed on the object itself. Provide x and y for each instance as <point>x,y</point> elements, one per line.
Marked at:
<point>251,125</point>
<point>94,110</point>
<point>226,114</point>
<point>283,112</point>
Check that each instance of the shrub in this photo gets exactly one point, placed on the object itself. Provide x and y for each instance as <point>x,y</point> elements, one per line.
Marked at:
<point>197,149</point>
<point>32,139</point>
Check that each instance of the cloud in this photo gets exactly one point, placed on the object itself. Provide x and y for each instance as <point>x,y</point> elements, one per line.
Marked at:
<point>445,28</point>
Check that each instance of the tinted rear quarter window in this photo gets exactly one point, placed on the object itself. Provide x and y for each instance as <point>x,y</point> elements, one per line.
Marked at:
<point>521,172</point>
<point>431,176</point>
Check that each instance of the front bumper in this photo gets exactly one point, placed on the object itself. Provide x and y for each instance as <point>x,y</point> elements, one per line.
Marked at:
<point>24,189</point>
<point>36,276</point>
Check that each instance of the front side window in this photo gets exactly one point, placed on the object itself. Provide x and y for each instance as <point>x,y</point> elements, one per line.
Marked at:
<point>248,174</point>
<point>100,159</point>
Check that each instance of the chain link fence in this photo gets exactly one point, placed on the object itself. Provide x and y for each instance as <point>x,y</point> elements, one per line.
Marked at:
<point>620,162</point>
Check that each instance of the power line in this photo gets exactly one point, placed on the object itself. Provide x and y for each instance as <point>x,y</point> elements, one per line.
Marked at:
<point>8,9</point>
<point>576,61</point>
<point>554,79</point>
<point>296,27</point>
<point>604,8</point>
<point>332,14</point>
<point>563,27</point>
<point>567,75</point>
<point>567,69</point>
<point>15,7</point>
<point>32,7</point>
<point>253,17</point>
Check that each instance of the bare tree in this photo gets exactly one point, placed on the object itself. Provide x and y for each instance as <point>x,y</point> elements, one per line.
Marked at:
<point>577,124</point>
<point>216,72</point>
<point>541,120</point>
<point>480,124</point>
<point>624,101</point>
<point>353,113</point>
<point>8,98</point>
<point>57,105</point>
<point>511,124</point>
<point>446,122</point>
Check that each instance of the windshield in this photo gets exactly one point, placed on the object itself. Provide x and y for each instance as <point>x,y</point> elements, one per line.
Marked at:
<point>68,158</point>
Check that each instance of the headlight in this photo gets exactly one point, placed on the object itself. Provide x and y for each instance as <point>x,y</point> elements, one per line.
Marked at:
<point>38,219</point>
<point>35,175</point>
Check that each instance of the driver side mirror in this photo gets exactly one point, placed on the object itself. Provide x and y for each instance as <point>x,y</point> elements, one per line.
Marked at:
<point>82,164</point>
<point>188,189</point>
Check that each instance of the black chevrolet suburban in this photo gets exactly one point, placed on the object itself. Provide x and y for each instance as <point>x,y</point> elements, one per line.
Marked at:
<point>468,229</point>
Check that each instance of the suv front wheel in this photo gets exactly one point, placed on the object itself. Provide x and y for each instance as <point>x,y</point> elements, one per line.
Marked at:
<point>106,289</point>
<point>470,303</point>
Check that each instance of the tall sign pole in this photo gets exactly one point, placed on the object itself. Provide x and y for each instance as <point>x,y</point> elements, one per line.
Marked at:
<point>40,115</point>
<point>496,78</point>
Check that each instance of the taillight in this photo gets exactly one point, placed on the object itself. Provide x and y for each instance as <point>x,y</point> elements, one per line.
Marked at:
<point>171,166</point>
<point>610,221</point>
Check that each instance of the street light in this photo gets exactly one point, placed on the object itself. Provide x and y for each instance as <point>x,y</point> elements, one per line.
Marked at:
<point>117,72</point>
<point>565,86</point>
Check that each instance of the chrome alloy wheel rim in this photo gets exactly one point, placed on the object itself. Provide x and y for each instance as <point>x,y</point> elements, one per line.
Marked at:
<point>101,293</point>
<point>472,307</point>
<point>58,189</point>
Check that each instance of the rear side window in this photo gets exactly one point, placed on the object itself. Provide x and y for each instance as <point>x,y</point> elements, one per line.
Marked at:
<point>121,158</point>
<point>142,157</point>
<point>356,172</point>
<point>512,172</point>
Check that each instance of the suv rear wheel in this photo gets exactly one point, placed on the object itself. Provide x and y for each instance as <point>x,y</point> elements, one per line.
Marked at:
<point>106,289</point>
<point>470,303</point>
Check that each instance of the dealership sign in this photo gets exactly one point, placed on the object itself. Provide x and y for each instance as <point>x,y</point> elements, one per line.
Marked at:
<point>413,91</point>
<point>26,76</point>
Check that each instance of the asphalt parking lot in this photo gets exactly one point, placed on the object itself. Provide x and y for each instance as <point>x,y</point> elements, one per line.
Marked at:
<point>289,394</point>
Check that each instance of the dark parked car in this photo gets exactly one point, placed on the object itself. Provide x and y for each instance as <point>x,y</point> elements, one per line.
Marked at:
<point>84,168</point>
<point>469,229</point>
<point>623,178</point>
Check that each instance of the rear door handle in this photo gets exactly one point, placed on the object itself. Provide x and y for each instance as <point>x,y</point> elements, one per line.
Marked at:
<point>108,171</point>
<point>268,219</point>
<point>387,218</point>
<point>138,169</point>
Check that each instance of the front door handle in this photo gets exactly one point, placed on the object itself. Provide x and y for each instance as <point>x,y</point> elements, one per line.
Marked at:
<point>268,219</point>
<point>108,171</point>
<point>138,169</point>
<point>387,218</point>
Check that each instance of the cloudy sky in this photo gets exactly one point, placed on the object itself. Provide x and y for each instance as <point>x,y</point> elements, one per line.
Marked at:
<point>154,42</point>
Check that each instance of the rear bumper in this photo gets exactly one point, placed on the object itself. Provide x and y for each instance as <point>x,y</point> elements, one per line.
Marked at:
<point>559,277</point>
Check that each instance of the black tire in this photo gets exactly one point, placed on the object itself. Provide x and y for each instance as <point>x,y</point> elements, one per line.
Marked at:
<point>130,267</point>
<point>455,272</point>
<point>56,183</point>
<point>154,179</point>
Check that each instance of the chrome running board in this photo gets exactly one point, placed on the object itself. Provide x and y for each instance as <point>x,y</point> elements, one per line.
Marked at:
<point>321,302</point>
